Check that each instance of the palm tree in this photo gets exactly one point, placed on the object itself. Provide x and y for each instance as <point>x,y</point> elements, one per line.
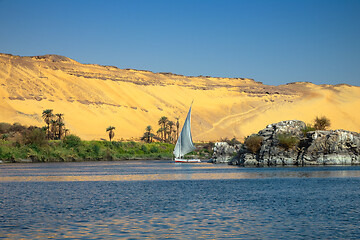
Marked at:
<point>170,124</point>
<point>54,128</point>
<point>111,129</point>
<point>149,134</point>
<point>159,133</point>
<point>47,115</point>
<point>60,124</point>
<point>174,134</point>
<point>162,122</point>
<point>177,128</point>
<point>60,116</point>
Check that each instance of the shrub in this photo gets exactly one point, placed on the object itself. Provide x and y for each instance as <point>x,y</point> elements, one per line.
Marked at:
<point>5,136</point>
<point>96,149</point>
<point>18,139</point>
<point>287,140</point>
<point>35,136</point>
<point>144,149</point>
<point>321,123</point>
<point>131,151</point>
<point>117,144</point>
<point>108,155</point>
<point>17,127</point>
<point>5,127</point>
<point>308,128</point>
<point>154,149</point>
<point>72,141</point>
<point>253,143</point>
<point>209,147</point>
<point>6,154</point>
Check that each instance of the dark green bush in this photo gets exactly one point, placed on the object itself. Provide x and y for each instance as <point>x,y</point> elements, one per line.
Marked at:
<point>144,149</point>
<point>5,136</point>
<point>96,149</point>
<point>287,140</point>
<point>5,127</point>
<point>72,141</point>
<point>36,136</point>
<point>253,143</point>
<point>17,127</point>
<point>154,149</point>
<point>308,128</point>
<point>131,151</point>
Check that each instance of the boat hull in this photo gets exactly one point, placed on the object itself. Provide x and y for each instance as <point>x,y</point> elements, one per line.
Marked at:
<point>181,160</point>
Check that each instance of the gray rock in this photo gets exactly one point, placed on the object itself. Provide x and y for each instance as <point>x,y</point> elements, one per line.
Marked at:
<point>223,152</point>
<point>250,160</point>
<point>334,147</point>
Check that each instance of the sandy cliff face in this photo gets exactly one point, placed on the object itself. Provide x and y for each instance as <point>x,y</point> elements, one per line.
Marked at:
<point>92,97</point>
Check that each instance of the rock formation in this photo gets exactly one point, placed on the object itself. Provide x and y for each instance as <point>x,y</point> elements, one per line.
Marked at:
<point>224,152</point>
<point>334,147</point>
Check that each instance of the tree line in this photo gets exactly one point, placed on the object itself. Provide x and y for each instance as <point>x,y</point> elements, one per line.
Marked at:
<point>55,126</point>
<point>168,131</point>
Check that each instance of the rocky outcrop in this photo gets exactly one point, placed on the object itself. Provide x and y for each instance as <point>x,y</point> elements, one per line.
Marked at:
<point>334,147</point>
<point>271,153</point>
<point>224,152</point>
<point>331,147</point>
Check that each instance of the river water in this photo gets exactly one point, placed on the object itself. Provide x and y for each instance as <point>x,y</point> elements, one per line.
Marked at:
<point>160,199</point>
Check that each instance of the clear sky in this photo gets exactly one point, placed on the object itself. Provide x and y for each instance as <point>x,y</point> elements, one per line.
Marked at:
<point>272,41</point>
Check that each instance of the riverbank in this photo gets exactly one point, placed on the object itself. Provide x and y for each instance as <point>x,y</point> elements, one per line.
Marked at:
<point>76,150</point>
<point>70,151</point>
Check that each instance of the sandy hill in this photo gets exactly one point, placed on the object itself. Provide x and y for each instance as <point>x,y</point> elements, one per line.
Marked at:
<point>92,97</point>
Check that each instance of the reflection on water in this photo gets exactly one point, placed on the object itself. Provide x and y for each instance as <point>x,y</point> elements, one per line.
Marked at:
<point>180,176</point>
<point>159,199</point>
<point>150,171</point>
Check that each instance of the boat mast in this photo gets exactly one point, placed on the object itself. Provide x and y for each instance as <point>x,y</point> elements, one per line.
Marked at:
<point>180,146</point>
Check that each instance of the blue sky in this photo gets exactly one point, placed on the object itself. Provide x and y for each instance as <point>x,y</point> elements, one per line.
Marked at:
<point>274,42</point>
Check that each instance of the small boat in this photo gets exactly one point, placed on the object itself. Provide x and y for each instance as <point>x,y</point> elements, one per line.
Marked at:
<point>184,143</point>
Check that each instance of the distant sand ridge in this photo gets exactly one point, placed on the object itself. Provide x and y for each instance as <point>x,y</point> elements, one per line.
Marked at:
<point>92,97</point>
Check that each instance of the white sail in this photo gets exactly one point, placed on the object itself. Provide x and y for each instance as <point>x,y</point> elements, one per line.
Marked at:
<point>184,144</point>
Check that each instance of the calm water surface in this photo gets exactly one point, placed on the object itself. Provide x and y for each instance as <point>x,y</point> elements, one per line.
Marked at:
<point>160,199</point>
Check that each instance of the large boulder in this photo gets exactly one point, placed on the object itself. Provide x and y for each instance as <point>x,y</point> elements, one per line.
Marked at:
<point>335,147</point>
<point>271,153</point>
<point>224,152</point>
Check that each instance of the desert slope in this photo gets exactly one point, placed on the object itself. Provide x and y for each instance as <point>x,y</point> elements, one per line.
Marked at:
<point>92,97</point>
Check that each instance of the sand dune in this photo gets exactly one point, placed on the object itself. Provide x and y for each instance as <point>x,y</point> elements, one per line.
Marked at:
<point>92,97</point>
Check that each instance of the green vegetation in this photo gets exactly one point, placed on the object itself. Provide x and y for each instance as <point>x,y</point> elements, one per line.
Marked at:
<point>148,135</point>
<point>253,142</point>
<point>308,128</point>
<point>320,123</point>
<point>166,133</point>
<point>72,148</point>
<point>55,125</point>
<point>202,151</point>
<point>287,141</point>
<point>51,143</point>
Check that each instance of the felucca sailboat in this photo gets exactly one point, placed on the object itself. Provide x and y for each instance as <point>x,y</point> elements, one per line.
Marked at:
<point>184,143</point>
